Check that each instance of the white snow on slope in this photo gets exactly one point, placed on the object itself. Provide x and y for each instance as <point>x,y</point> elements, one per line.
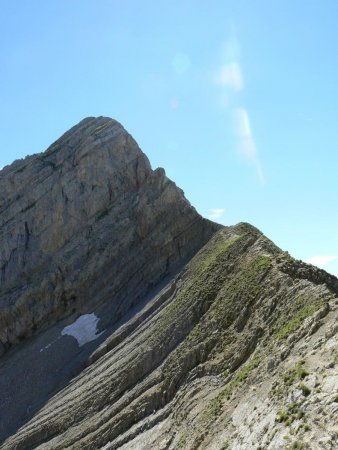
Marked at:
<point>84,329</point>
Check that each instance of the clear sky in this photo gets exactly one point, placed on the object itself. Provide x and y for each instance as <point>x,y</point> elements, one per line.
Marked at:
<point>237,100</point>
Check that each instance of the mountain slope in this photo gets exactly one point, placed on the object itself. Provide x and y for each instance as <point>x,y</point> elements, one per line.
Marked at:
<point>127,321</point>
<point>86,222</point>
<point>220,358</point>
<point>87,231</point>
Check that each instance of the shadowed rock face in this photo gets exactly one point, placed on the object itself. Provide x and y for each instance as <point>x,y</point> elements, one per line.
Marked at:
<point>87,225</point>
<point>224,356</point>
<point>140,341</point>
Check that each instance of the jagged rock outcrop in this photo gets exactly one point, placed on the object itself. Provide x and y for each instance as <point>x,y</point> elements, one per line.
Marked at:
<point>88,223</point>
<point>236,349</point>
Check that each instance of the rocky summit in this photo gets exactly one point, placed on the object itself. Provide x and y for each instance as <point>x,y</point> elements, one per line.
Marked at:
<point>127,321</point>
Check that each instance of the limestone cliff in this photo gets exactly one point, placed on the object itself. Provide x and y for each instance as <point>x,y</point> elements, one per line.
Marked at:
<point>235,347</point>
<point>87,224</point>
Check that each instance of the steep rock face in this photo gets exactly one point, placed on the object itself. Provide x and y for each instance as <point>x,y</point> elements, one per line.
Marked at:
<point>128,341</point>
<point>87,225</point>
<point>238,351</point>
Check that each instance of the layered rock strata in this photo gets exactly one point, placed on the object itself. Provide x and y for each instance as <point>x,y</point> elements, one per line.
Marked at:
<point>225,356</point>
<point>87,225</point>
<point>129,322</point>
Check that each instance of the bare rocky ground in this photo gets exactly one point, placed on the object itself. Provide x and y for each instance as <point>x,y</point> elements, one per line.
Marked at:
<point>235,347</point>
<point>233,353</point>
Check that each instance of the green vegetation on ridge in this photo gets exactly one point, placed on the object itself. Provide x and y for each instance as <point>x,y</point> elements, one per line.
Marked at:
<point>295,313</point>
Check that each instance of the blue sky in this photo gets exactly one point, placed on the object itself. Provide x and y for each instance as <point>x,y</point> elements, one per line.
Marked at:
<point>237,100</point>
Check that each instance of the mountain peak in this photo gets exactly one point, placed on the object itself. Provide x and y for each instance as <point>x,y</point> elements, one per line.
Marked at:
<point>129,321</point>
<point>90,186</point>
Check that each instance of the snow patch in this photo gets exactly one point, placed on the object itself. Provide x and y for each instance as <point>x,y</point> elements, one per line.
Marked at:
<point>84,329</point>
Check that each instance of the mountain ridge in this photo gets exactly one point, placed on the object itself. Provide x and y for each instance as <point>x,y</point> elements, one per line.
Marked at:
<point>204,337</point>
<point>69,190</point>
